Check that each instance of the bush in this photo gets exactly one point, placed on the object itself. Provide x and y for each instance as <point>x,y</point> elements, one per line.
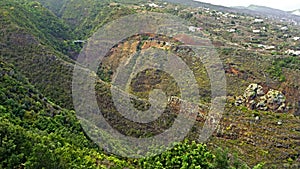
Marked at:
<point>182,155</point>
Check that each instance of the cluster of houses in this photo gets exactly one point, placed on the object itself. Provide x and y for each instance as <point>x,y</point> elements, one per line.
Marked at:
<point>259,30</point>
<point>257,25</point>
<point>154,5</point>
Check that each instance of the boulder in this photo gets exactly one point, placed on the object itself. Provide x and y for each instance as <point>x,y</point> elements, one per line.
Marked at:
<point>252,91</point>
<point>276,100</point>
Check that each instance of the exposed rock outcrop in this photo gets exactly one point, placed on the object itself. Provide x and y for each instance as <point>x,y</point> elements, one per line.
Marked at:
<point>255,98</point>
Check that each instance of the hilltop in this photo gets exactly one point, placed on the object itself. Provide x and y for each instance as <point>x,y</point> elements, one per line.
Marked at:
<point>296,12</point>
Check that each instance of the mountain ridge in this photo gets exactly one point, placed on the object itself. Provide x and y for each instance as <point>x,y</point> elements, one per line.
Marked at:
<point>270,12</point>
<point>295,12</point>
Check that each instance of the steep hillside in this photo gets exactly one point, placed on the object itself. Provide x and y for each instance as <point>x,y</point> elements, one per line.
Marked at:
<point>38,41</point>
<point>40,44</point>
<point>55,6</point>
<point>255,135</point>
<point>36,133</point>
<point>90,15</point>
<point>34,40</point>
<point>38,21</point>
<point>248,58</point>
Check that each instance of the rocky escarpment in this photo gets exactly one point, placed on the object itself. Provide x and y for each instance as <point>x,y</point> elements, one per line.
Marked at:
<point>255,98</point>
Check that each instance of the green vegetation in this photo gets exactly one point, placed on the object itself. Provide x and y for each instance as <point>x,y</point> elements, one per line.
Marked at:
<point>276,70</point>
<point>188,155</point>
<point>38,21</point>
<point>90,15</point>
<point>185,155</point>
<point>34,41</point>
<point>35,133</point>
<point>39,128</point>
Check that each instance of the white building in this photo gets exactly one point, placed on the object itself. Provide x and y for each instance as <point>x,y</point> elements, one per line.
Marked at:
<point>256,31</point>
<point>285,28</point>
<point>194,29</point>
<point>231,30</point>
<point>154,5</point>
<point>296,38</point>
<point>258,21</point>
<point>266,47</point>
<point>270,47</point>
<point>292,52</point>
